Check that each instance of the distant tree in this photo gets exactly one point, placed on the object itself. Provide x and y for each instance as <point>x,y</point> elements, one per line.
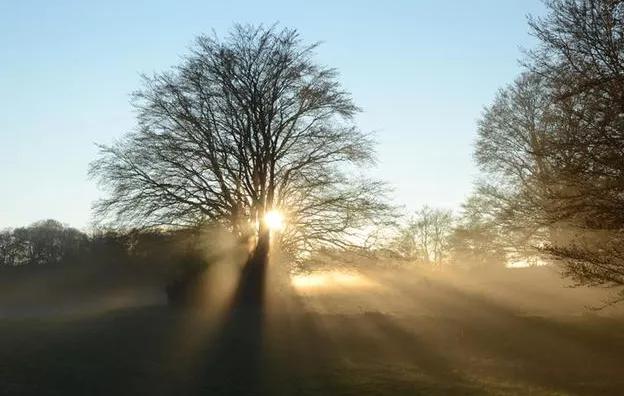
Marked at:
<point>43,242</point>
<point>552,144</point>
<point>242,127</point>
<point>426,235</point>
<point>441,226</point>
<point>109,245</point>
<point>11,250</point>
<point>476,240</point>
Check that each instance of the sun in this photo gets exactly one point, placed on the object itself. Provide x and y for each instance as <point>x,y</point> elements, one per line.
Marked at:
<point>274,220</point>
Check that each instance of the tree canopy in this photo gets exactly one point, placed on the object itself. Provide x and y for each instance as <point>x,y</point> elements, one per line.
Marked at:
<point>552,143</point>
<point>243,126</point>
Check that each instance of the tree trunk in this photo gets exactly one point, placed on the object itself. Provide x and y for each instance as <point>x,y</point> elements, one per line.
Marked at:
<point>253,277</point>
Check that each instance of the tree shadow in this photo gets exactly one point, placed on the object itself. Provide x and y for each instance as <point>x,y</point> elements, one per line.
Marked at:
<point>568,356</point>
<point>232,362</point>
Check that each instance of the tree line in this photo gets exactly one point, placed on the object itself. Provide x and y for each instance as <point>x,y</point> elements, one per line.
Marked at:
<point>431,236</point>
<point>49,242</point>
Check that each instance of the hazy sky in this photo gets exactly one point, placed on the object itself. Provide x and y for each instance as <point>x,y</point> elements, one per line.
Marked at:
<point>422,70</point>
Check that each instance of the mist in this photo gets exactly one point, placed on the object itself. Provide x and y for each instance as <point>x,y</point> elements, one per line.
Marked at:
<point>389,325</point>
<point>250,231</point>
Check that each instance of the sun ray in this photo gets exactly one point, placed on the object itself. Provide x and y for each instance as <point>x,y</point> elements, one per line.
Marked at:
<point>274,220</point>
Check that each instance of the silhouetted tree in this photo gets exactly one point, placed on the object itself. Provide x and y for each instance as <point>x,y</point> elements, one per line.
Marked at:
<point>425,236</point>
<point>43,242</point>
<point>514,136</point>
<point>11,249</point>
<point>552,143</point>
<point>241,127</point>
<point>581,59</point>
<point>476,240</point>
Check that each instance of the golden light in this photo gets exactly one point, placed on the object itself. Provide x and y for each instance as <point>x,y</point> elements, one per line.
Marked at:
<point>331,280</point>
<point>274,220</point>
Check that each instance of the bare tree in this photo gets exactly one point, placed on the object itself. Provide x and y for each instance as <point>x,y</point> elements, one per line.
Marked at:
<point>515,134</point>
<point>581,59</point>
<point>43,242</point>
<point>425,236</point>
<point>552,144</point>
<point>477,240</point>
<point>11,249</point>
<point>241,127</point>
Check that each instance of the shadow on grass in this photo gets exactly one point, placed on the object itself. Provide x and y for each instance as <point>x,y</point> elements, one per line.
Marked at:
<point>232,363</point>
<point>268,344</point>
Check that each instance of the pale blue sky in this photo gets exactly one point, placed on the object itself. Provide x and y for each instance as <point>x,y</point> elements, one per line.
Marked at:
<point>421,70</point>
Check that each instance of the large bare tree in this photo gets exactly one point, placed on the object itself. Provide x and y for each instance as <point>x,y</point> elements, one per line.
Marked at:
<point>552,144</point>
<point>243,126</point>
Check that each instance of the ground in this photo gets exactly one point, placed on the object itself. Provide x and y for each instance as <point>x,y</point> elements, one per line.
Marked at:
<point>375,334</point>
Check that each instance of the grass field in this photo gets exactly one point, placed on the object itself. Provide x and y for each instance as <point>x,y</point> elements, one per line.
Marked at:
<point>394,335</point>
